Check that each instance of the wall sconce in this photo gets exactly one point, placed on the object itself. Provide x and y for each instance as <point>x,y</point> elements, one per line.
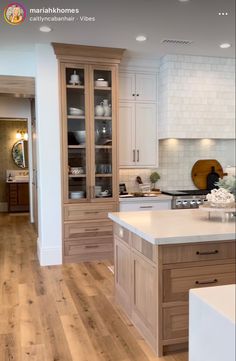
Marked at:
<point>21,134</point>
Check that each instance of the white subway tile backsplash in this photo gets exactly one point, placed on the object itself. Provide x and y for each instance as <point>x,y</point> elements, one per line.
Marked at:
<point>176,159</point>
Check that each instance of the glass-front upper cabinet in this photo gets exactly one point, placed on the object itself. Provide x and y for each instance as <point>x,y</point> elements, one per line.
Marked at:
<point>102,129</point>
<point>76,134</point>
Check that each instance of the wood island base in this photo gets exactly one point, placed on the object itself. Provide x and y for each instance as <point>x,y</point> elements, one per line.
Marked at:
<point>152,283</point>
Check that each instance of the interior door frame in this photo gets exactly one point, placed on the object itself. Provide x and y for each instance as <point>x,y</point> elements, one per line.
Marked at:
<point>22,87</point>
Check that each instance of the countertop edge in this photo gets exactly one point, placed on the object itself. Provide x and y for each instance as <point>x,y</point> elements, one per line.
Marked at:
<point>172,240</point>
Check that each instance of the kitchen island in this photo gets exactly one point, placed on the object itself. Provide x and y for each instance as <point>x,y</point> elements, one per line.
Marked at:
<point>159,256</point>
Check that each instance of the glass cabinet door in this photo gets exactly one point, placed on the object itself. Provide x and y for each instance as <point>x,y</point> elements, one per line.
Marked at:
<point>102,133</point>
<point>76,140</point>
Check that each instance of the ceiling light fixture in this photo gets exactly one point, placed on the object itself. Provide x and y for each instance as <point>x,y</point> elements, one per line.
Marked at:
<point>225,45</point>
<point>141,38</point>
<point>45,29</point>
<point>183,1</point>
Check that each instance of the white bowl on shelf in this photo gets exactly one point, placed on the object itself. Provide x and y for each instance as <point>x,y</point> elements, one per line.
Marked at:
<point>80,136</point>
<point>101,83</point>
<point>76,111</point>
<point>77,194</point>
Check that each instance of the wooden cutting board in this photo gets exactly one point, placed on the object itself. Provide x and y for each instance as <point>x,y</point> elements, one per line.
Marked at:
<point>202,168</point>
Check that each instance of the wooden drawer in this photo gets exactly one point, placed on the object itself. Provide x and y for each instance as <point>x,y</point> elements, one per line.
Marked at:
<point>177,282</point>
<point>175,322</point>
<point>121,233</point>
<point>208,251</point>
<point>72,248</point>
<point>146,248</point>
<point>88,229</point>
<point>12,187</point>
<point>76,212</point>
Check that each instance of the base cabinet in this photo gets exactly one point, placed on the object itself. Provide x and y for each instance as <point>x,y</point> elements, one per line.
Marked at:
<point>18,197</point>
<point>153,291</point>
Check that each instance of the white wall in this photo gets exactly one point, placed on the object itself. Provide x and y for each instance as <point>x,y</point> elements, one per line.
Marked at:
<point>196,97</point>
<point>17,63</point>
<point>48,155</point>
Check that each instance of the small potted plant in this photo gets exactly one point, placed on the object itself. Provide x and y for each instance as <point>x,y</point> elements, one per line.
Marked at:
<point>154,177</point>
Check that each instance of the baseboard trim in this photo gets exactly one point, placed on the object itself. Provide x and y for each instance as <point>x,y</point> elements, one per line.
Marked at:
<point>50,256</point>
<point>3,207</point>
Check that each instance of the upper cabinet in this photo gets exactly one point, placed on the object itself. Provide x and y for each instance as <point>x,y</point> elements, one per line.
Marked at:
<point>138,144</point>
<point>138,87</point>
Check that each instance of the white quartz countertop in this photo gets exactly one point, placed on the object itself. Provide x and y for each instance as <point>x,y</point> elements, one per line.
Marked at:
<point>175,226</point>
<point>220,298</point>
<point>157,198</point>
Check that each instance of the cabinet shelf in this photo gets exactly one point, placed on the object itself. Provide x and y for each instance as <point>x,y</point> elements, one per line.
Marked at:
<point>75,116</point>
<point>103,146</point>
<point>102,88</point>
<point>102,118</point>
<point>77,146</point>
<point>77,176</point>
<point>75,86</point>
<point>103,175</point>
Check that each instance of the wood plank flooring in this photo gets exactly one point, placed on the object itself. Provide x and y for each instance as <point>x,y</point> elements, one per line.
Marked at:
<point>60,313</point>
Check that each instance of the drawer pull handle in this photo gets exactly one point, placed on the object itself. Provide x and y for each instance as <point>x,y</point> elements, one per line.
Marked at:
<point>90,229</point>
<point>91,212</point>
<point>206,282</point>
<point>146,207</point>
<point>95,246</point>
<point>207,253</point>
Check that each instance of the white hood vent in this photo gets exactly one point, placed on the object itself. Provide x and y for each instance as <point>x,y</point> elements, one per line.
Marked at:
<point>176,42</point>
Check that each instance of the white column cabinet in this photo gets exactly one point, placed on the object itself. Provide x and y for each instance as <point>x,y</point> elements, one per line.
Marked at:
<point>138,135</point>
<point>138,144</point>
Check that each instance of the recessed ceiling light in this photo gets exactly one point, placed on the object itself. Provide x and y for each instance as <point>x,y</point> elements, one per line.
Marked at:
<point>183,1</point>
<point>141,38</point>
<point>223,13</point>
<point>225,45</point>
<point>45,29</point>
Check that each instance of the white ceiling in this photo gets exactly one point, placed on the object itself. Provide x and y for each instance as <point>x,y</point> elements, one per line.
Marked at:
<point>118,22</point>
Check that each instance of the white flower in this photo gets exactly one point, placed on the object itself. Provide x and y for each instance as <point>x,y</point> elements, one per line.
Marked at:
<point>220,195</point>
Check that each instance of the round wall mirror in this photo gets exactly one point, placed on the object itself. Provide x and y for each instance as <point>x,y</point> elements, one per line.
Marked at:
<point>20,153</point>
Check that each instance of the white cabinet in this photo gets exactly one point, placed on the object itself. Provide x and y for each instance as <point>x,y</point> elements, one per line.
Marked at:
<point>138,135</point>
<point>138,87</point>
<point>134,205</point>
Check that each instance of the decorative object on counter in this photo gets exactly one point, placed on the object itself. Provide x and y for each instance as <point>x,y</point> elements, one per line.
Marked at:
<point>76,170</point>
<point>212,178</point>
<point>122,189</point>
<point>74,79</point>
<point>228,183</point>
<point>10,179</point>
<point>76,111</point>
<point>154,177</point>
<point>202,168</point>
<point>220,198</point>
<point>139,180</point>
<point>101,82</point>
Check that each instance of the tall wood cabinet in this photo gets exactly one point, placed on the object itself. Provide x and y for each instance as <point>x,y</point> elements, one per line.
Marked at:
<point>89,113</point>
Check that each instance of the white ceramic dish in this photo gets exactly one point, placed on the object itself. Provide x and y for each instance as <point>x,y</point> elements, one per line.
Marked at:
<point>80,136</point>
<point>77,195</point>
<point>76,111</point>
<point>101,83</point>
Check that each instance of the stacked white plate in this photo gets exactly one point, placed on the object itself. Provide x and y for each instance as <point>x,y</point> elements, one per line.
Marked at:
<point>77,195</point>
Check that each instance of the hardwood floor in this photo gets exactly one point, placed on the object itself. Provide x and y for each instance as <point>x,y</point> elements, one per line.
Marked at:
<point>60,313</point>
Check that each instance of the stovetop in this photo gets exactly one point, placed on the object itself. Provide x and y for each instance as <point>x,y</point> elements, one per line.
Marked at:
<point>193,192</point>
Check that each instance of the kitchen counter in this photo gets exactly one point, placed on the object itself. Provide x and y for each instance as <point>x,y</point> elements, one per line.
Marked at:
<point>175,226</point>
<point>158,197</point>
<point>18,181</point>
<point>212,324</point>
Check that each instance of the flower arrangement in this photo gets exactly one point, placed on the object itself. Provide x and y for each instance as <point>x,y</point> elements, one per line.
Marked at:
<point>220,198</point>
<point>228,183</point>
